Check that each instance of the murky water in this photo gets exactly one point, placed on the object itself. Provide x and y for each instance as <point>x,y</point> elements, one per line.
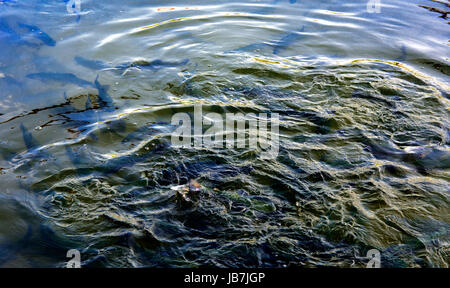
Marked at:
<point>87,163</point>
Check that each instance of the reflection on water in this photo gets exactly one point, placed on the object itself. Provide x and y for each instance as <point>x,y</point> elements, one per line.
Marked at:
<point>86,160</point>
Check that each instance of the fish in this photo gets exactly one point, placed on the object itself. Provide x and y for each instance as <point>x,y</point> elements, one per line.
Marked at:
<point>105,100</point>
<point>66,78</point>
<point>9,35</point>
<point>256,47</point>
<point>79,159</point>
<point>275,46</point>
<point>28,138</point>
<point>287,40</point>
<point>78,122</point>
<point>154,65</point>
<point>5,27</point>
<point>37,33</point>
<point>24,32</point>
<point>323,124</point>
<point>32,144</point>
<point>91,114</point>
<point>424,159</point>
<point>86,116</point>
<point>92,64</point>
<point>402,58</point>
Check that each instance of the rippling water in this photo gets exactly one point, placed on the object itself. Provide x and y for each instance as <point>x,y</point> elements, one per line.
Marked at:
<point>86,161</point>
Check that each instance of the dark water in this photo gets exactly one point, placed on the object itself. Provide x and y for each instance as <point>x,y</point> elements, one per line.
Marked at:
<point>86,160</point>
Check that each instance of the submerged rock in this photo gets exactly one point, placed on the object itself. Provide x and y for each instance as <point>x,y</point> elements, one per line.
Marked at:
<point>187,195</point>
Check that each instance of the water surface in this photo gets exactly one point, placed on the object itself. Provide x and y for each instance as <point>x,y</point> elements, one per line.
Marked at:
<point>86,161</point>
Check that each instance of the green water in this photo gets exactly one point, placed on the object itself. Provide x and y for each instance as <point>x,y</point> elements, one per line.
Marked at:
<point>87,163</point>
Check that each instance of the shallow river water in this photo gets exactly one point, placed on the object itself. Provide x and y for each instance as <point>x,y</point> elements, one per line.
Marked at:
<point>88,93</point>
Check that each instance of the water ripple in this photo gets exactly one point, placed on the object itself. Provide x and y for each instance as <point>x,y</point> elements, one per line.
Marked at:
<point>86,158</point>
